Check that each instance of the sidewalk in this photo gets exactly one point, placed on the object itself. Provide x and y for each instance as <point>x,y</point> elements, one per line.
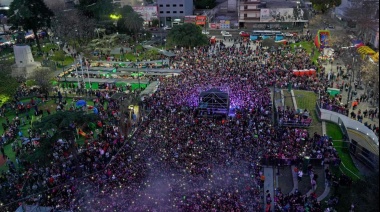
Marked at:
<point>362,105</point>
<point>268,185</point>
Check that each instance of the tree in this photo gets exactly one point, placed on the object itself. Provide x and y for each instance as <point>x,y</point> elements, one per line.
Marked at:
<point>132,22</point>
<point>8,84</point>
<point>42,76</point>
<point>31,15</point>
<point>370,76</point>
<point>187,35</point>
<point>97,9</point>
<point>324,5</point>
<point>339,38</point>
<point>365,15</point>
<point>204,4</point>
<point>60,122</point>
<point>73,27</point>
<point>155,23</point>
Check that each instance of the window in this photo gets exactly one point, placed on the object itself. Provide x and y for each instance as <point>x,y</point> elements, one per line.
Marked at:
<point>180,11</point>
<point>168,5</point>
<point>167,11</point>
<point>174,5</point>
<point>246,7</point>
<point>174,11</point>
<point>161,12</point>
<point>181,5</point>
<point>161,5</point>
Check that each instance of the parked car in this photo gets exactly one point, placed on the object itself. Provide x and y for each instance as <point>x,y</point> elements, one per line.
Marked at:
<point>226,34</point>
<point>244,34</point>
<point>205,32</point>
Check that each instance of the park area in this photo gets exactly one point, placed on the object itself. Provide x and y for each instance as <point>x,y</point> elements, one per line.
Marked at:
<point>28,118</point>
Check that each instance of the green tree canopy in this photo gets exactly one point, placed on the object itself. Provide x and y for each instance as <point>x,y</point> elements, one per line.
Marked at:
<point>8,84</point>
<point>60,122</point>
<point>187,35</point>
<point>324,5</point>
<point>205,4</point>
<point>30,15</point>
<point>42,78</point>
<point>130,23</point>
<point>98,9</point>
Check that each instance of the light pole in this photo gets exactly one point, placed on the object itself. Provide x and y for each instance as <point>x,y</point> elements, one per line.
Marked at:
<point>76,72</point>
<point>138,74</point>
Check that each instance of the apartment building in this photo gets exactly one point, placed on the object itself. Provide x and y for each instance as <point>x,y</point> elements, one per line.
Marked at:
<point>248,12</point>
<point>174,11</point>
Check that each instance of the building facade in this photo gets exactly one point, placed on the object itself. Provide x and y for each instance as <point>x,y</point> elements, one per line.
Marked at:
<point>272,14</point>
<point>132,3</point>
<point>171,12</point>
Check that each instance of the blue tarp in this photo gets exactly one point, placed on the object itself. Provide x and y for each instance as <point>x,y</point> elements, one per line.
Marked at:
<point>80,103</point>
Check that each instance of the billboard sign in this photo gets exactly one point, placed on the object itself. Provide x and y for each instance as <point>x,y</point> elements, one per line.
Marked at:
<point>190,19</point>
<point>283,15</point>
<point>148,13</point>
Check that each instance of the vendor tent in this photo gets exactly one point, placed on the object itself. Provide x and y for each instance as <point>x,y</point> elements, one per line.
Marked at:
<point>375,57</point>
<point>357,43</point>
<point>333,91</point>
<point>149,90</point>
<point>80,103</point>
<point>365,50</point>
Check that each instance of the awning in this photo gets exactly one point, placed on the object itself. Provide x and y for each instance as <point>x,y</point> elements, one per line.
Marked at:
<point>365,50</point>
<point>357,43</point>
<point>375,57</point>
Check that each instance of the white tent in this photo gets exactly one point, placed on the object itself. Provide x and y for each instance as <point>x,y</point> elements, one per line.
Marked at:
<point>149,90</point>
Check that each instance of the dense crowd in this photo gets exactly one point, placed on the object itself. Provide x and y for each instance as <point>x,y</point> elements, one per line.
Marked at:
<point>177,159</point>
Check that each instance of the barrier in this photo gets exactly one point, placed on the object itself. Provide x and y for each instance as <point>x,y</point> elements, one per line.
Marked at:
<point>332,118</point>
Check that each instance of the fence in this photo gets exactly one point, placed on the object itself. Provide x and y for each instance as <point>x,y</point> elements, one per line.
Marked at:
<point>274,161</point>
<point>334,119</point>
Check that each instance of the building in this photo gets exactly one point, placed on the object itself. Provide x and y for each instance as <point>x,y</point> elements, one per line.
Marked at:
<point>172,12</point>
<point>271,14</point>
<point>132,3</point>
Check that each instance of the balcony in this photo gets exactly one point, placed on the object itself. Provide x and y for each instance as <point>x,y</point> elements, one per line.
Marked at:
<point>249,18</point>
<point>250,10</point>
<point>250,2</point>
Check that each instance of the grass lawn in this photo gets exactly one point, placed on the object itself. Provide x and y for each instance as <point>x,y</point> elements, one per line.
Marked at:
<point>334,131</point>
<point>347,167</point>
<point>308,46</point>
<point>66,62</point>
<point>288,99</point>
<point>307,100</point>
<point>6,52</point>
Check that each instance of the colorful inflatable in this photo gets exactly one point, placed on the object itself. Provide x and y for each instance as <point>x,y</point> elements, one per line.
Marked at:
<point>322,38</point>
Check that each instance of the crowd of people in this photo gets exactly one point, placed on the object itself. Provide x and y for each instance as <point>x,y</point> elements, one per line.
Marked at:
<point>178,159</point>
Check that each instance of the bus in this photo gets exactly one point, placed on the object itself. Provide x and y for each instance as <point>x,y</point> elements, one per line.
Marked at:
<point>264,34</point>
